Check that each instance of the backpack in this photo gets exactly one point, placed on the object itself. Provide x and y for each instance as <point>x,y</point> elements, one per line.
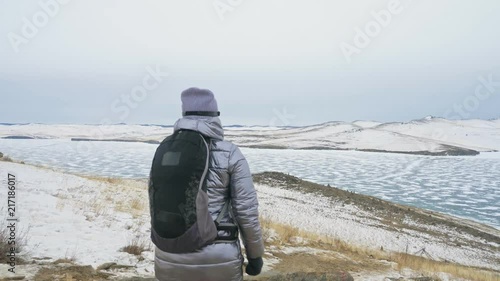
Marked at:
<point>180,219</point>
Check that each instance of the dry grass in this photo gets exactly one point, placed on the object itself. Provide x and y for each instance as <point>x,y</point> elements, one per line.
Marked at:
<point>137,204</point>
<point>132,197</point>
<point>64,261</point>
<point>6,159</point>
<point>284,232</point>
<point>70,256</point>
<point>21,241</point>
<point>71,273</point>
<point>92,208</point>
<point>99,208</point>
<point>287,232</point>
<point>137,246</point>
<point>430,266</point>
<point>266,228</point>
<point>113,181</point>
<point>4,246</point>
<point>364,255</point>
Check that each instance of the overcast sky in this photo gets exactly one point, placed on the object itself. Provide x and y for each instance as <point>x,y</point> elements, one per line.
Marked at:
<point>269,62</point>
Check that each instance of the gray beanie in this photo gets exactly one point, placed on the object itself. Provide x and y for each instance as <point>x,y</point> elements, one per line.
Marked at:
<point>197,101</point>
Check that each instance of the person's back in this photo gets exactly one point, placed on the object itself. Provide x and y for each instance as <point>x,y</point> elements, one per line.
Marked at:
<point>228,180</point>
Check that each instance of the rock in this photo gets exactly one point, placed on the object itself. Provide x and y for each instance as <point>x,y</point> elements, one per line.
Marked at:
<point>13,278</point>
<point>138,279</point>
<point>42,258</point>
<point>339,276</point>
<point>112,265</point>
<point>411,279</point>
<point>270,240</point>
<point>296,240</point>
<point>118,266</point>
<point>106,266</point>
<point>63,261</point>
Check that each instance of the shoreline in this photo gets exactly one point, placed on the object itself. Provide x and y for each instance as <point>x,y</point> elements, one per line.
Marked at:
<point>470,221</point>
<point>451,150</point>
<point>114,210</point>
<point>403,225</point>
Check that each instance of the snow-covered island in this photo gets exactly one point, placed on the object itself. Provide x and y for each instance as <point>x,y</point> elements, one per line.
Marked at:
<point>427,136</point>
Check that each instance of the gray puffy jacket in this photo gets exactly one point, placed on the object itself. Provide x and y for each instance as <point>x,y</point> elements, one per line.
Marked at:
<point>229,178</point>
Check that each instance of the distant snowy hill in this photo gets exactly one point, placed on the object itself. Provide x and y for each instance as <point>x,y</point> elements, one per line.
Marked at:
<point>432,136</point>
<point>425,136</point>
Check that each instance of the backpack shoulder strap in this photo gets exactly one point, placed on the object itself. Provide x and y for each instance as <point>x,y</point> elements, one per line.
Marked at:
<point>224,210</point>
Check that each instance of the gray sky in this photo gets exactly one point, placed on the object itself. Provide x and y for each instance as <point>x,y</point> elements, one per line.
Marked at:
<point>269,62</point>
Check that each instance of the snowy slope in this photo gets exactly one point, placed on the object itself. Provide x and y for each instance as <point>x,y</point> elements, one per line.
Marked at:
<point>132,132</point>
<point>90,220</point>
<point>341,137</point>
<point>481,135</point>
<point>366,124</point>
<point>436,136</point>
<point>425,136</point>
<point>318,214</point>
<point>71,217</point>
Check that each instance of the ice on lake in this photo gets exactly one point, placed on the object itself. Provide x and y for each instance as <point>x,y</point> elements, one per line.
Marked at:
<point>462,186</point>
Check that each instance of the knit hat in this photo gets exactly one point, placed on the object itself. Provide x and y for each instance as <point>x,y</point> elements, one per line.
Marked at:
<point>200,102</point>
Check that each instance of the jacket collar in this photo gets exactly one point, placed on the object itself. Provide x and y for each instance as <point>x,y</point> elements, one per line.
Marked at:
<point>207,126</point>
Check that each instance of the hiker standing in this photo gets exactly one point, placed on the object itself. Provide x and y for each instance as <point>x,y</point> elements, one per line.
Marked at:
<point>202,197</point>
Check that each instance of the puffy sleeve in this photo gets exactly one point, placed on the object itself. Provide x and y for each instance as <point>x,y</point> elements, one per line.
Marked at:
<point>245,204</point>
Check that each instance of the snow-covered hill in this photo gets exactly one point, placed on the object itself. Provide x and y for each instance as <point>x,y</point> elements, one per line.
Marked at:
<point>426,136</point>
<point>88,221</point>
<point>433,136</point>
<point>479,135</point>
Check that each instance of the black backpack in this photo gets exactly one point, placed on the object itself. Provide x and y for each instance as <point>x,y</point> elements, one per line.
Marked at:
<point>180,219</point>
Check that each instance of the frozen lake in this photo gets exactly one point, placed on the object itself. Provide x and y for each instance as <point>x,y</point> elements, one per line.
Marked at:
<point>468,187</point>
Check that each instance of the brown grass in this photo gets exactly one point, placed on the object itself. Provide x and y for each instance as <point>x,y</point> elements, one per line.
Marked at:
<point>71,273</point>
<point>6,159</point>
<point>137,204</point>
<point>64,261</point>
<point>366,257</point>
<point>431,266</point>
<point>286,232</point>
<point>4,246</point>
<point>135,190</point>
<point>21,241</point>
<point>114,181</point>
<point>137,246</point>
<point>87,206</point>
<point>391,213</point>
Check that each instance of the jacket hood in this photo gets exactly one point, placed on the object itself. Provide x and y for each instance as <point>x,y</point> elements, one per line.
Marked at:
<point>207,126</point>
